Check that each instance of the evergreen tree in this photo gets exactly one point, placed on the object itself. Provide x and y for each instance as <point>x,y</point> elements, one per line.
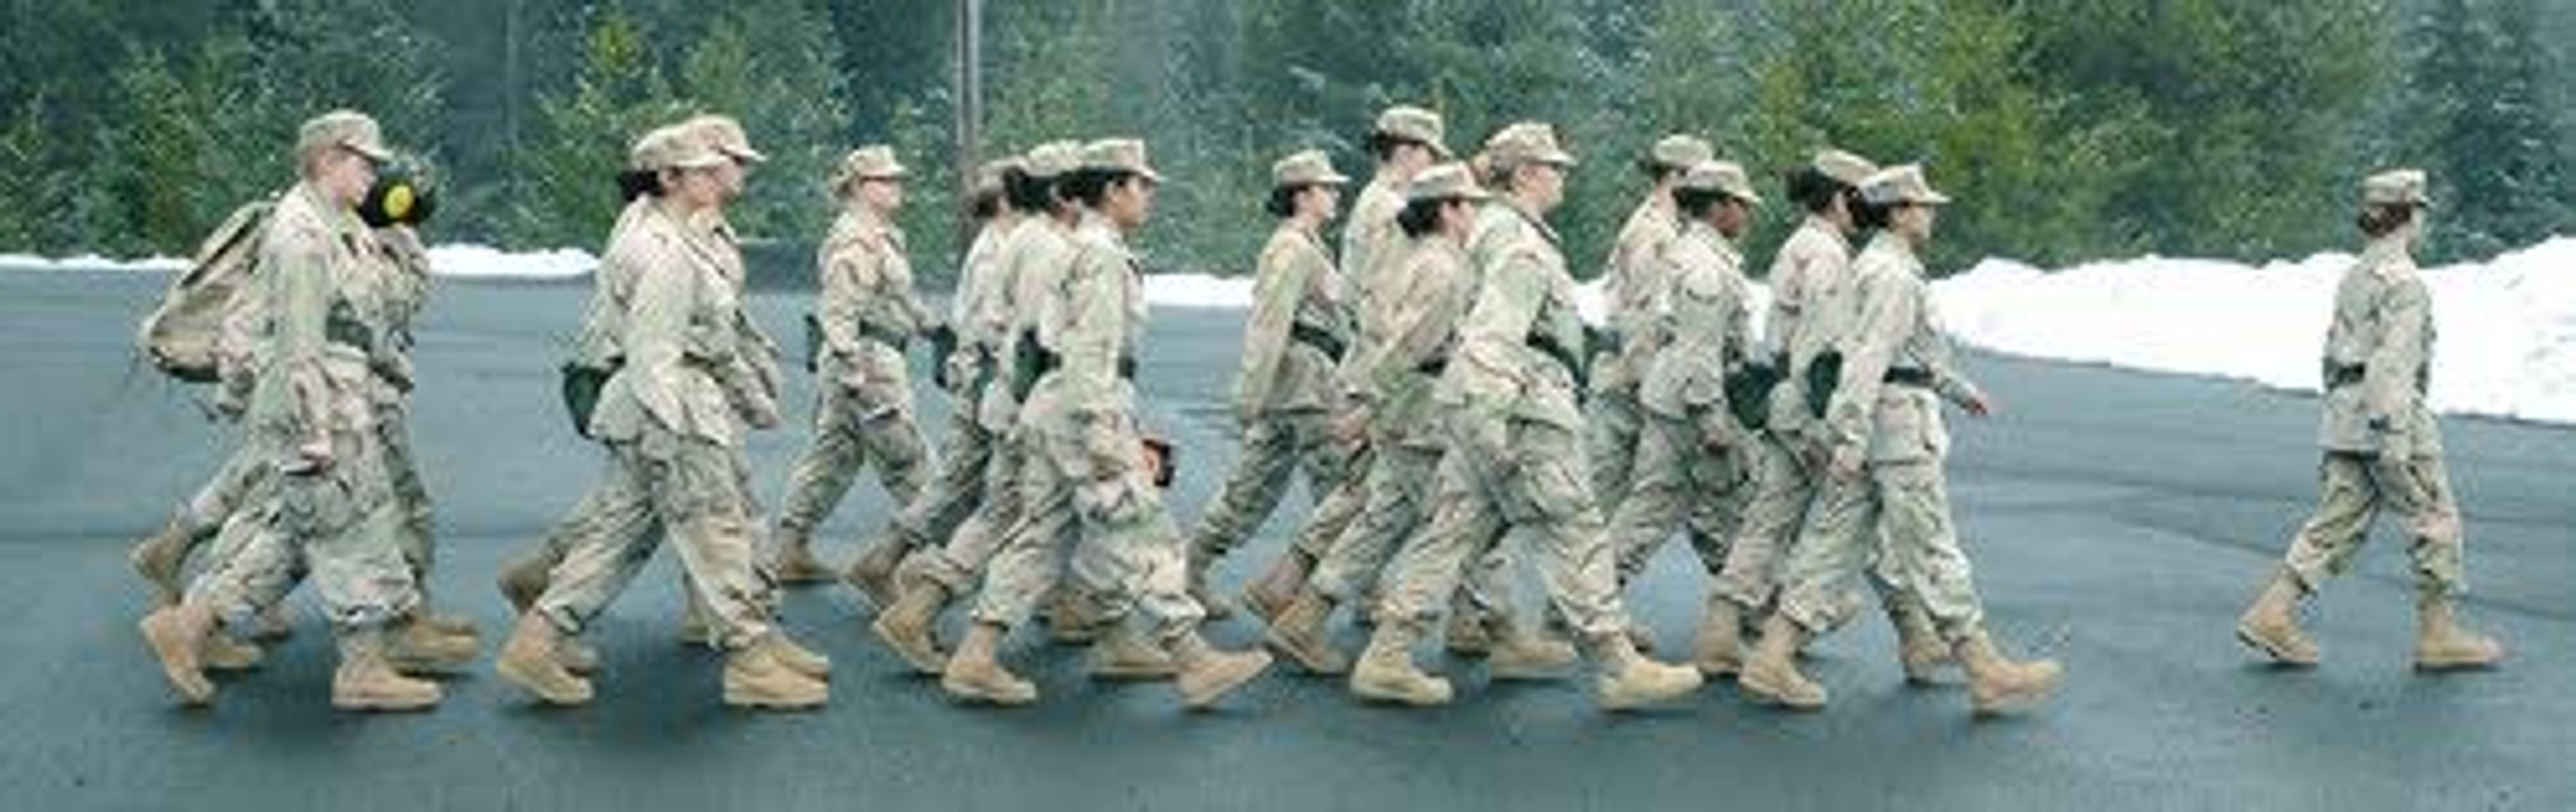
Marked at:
<point>564,190</point>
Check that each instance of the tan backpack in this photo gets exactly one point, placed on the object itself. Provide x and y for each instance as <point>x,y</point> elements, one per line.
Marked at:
<point>185,336</point>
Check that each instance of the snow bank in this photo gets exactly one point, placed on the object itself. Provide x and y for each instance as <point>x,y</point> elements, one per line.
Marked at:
<point>2506,329</point>
<point>486,262</point>
<point>89,262</point>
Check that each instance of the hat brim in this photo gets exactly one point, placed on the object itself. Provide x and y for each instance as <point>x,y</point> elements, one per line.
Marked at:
<point>373,152</point>
<point>706,162</point>
<point>745,155</point>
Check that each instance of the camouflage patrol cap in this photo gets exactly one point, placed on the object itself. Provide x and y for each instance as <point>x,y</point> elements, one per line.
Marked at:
<point>871,162</point>
<point>1119,155</point>
<point>988,178</point>
<point>674,147</point>
<point>1443,182</point>
<point>725,135</point>
<point>347,129</point>
<point>1843,166</point>
<point>1305,168</point>
<point>1524,143</point>
<point>1724,177</point>
<point>1681,152</point>
<point>1415,124</point>
<point>1054,158</point>
<point>2396,187</point>
<point>1901,185</point>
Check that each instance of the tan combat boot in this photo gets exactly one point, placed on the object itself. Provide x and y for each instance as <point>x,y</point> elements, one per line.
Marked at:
<point>159,559</point>
<point>2442,644</point>
<point>523,581</point>
<point>177,635</point>
<point>873,573</point>
<point>1123,654</point>
<point>796,565</point>
<point>223,652</point>
<point>532,660</point>
<point>367,681</point>
<point>416,648</point>
<point>1300,632</point>
<point>1630,681</point>
<point>976,672</point>
<point>910,625</point>
<point>756,676</point>
<point>1471,629</point>
<point>576,656</point>
<point>1278,586</point>
<point>1718,649</point>
<point>1519,654</point>
<point>1997,685</point>
<point>1919,650</point>
<point>2271,624</point>
<point>804,661</point>
<point>1206,674</point>
<point>1771,677</point>
<point>1386,672</point>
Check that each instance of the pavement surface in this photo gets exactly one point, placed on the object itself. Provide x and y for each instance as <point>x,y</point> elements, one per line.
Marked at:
<point>2118,522</point>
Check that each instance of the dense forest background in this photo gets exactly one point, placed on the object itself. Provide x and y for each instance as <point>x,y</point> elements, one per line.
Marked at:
<point>2068,129</point>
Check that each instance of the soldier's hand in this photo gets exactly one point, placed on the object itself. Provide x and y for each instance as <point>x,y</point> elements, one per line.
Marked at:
<point>313,456</point>
<point>1847,465</point>
<point>1979,405</point>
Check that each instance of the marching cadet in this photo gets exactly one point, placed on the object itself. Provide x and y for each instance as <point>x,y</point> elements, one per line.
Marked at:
<point>955,488</point>
<point>1689,467</point>
<point>1421,297</point>
<point>865,318</point>
<point>1286,390</point>
<point>1404,140</point>
<point>1033,258</point>
<point>326,504</point>
<point>1886,453</point>
<point>1088,481</point>
<point>1514,465</point>
<point>1636,280</point>
<point>1810,313</point>
<point>2383,449</point>
<point>668,414</point>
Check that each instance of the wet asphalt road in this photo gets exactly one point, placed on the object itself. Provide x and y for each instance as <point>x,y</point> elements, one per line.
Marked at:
<point>2118,520</point>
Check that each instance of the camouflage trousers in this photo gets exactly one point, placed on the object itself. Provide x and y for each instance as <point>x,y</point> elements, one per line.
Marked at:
<point>959,565</point>
<point>1276,447</point>
<point>688,488</point>
<point>237,483</point>
<point>957,485</point>
<point>1534,488</point>
<point>1398,489</point>
<point>1612,422</point>
<point>1678,482</point>
<point>336,528</point>
<point>2353,489</point>
<point>1783,486</point>
<point>1898,515</point>
<point>1107,527</point>
<point>849,430</point>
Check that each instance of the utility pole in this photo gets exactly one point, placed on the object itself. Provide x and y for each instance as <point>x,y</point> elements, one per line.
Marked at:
<point>969,103</point>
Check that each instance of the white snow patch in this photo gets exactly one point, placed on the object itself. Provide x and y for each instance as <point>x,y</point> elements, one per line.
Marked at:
<point>2506,329</point>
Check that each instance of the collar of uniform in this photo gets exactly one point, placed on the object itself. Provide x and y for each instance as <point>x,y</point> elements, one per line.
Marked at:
<point>1513,205</point>
<point>2387,255</point>
<point>1717,241</point>
<point>1887,240</point>
<point>1818,223</point>
<point>1093,221</point>
<point>343,220</point>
